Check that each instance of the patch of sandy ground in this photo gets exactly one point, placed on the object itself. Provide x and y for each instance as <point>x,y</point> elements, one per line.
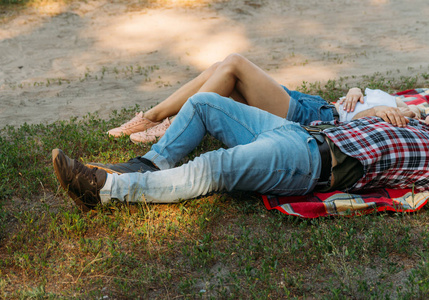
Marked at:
<point>63,60</point>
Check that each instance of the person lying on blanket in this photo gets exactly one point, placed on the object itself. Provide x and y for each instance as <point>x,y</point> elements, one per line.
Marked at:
<point>266,154</point>
<point>238,78</point>
<point>373,98</point>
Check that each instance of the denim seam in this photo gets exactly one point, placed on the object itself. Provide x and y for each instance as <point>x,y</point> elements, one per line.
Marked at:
<point>219,108</point>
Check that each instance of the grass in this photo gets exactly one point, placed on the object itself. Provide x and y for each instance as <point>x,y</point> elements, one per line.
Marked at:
<point>226,245</point>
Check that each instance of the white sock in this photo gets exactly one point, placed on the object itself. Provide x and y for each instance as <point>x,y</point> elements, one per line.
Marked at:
<point>106,189</point>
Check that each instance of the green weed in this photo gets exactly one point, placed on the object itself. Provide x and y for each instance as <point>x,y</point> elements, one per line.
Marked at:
<point>224,245</point>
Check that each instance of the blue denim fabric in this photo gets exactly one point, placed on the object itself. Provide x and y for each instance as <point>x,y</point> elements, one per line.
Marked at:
<point>304,108</point>
<point>266,154</point>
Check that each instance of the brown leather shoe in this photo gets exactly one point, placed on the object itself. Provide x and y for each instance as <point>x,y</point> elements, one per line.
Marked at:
<point>83,184</point>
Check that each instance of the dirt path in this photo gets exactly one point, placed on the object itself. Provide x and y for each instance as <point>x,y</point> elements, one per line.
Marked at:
<point>64,61</point>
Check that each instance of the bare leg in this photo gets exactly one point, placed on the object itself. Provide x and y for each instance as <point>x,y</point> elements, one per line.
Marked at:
<point>235,77</point>
<point>171,106</point>
<point>238,76</point>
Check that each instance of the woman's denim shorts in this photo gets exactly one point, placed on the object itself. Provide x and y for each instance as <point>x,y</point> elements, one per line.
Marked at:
<point>305,109</point>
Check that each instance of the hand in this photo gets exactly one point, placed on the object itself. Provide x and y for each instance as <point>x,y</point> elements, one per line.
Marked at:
<point>391,115</point>
<point>427,120</point>
<point>408,112</point>
<point>353,96</point>
<point>416,111</point>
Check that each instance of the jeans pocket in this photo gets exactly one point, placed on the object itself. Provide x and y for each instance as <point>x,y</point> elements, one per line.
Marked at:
<point>326,112</point>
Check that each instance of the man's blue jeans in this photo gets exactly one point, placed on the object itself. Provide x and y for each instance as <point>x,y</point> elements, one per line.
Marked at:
<point>266,154</point>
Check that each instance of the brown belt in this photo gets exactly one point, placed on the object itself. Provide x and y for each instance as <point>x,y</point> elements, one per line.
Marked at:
<point>325,155</point>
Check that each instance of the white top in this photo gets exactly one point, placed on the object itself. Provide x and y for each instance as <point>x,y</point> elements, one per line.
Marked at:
<point>373,98</point>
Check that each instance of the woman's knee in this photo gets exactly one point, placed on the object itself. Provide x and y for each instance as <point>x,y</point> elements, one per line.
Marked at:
<point>234,59</point>
<point>232,62</point>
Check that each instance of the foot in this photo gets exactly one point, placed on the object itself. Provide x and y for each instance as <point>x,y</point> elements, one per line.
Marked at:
<point>83,184</point>
<point>136,124</point>
<point>152,134</point>
<point>137,164</point>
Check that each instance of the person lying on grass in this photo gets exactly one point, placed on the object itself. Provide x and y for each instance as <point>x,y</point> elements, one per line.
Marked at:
<point>238,78</point>
<point>266,154</point>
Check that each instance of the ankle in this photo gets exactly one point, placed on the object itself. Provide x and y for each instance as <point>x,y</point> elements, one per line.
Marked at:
<point>151,116</point>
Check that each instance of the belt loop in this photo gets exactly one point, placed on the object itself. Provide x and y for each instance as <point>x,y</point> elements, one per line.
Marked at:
<point>315,132</point>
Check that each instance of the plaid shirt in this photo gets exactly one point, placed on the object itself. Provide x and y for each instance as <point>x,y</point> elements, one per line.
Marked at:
<point>392,157</point>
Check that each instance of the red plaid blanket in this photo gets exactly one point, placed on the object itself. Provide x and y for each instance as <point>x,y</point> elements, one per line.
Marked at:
<point>339,203</point>
<point>416,97</point>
